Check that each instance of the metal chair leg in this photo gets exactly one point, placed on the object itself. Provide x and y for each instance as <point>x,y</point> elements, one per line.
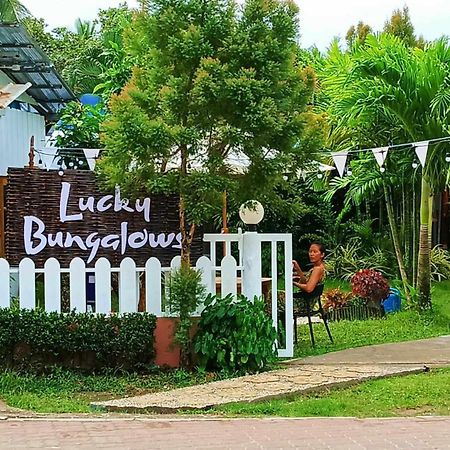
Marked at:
<point>325,321</point>
<point>295,329</point>
<point>311,332</point>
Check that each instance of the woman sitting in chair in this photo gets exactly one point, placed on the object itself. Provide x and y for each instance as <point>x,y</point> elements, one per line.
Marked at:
<point>308,282</point>
<point>311,284</point>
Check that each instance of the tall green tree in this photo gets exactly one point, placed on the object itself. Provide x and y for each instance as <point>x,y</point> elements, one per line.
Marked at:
<point>386,81</point>
<point>358,34</point>
<point>400,25</point>
<point>210,80</point>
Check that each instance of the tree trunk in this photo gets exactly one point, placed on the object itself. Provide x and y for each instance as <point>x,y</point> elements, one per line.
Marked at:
<point>415,242</point>
<point>396,241</point>
<point>423,263</point>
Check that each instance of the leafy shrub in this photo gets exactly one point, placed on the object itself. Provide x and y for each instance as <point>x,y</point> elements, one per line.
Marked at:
<point>235,335</point>
<point>370,285</point>
<point>440,263</point>
<point>37,338</point>
<point>336,299</point>
<point>186,292</point>
<point>345,260</point>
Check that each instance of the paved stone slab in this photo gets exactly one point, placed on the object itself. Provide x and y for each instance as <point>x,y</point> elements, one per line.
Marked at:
<point>256,387</point>
<point>275,433</point>
<point>434,352</point>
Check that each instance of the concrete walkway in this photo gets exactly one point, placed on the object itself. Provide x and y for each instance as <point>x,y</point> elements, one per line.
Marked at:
<point>433,352</point>
<point>301,376</point>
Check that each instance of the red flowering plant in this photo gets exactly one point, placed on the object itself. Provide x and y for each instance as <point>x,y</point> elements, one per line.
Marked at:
<point>335,299</point>
<point>370,285</point>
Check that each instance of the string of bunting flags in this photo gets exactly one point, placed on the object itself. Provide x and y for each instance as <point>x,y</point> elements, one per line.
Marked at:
<point>48,155</point>
<point>380,154</point>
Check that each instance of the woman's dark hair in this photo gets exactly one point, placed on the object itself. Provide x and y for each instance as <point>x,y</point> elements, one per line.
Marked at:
<point>321,247</point>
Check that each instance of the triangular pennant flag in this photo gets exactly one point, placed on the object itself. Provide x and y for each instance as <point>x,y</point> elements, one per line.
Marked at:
<point>301,173</point>
<point>380,154</point>
<point>421,151</point>
<point>340,161</point>
<point>48,156</point>
<point>91,155</point>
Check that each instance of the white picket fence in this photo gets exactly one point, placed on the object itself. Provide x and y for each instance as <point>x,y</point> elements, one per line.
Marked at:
<point>224,273</point>
<point>129,283</point>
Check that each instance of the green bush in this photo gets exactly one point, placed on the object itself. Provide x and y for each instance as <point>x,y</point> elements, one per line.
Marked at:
<point>35,338</point>
<point>186,292</point>
<point>235,335</point>
<point>440,263</point>
<point>345,260</point>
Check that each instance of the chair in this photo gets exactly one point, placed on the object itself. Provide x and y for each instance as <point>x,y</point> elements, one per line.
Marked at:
<point>305,308</point>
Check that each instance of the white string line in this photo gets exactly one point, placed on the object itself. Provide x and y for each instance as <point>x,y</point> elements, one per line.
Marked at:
<point>389,147</point>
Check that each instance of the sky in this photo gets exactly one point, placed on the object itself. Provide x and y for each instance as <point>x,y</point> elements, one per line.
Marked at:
<point>320,20</point>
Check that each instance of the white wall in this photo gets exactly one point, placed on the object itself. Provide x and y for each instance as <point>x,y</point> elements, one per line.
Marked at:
<point>16,129</point>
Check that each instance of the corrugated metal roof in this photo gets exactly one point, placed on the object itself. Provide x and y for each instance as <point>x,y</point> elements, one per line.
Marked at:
<point>24,62</point>
<point>10,92</point>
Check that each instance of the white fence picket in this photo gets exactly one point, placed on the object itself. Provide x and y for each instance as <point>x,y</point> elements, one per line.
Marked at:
<point>27,284</point>
<point>4,284</point>
<point>205,266</point>
<point>103,286</point>
<point>52,285</point>
<point>228,276</point>
<point>77,285</point>
<point>128,289</point>
<point>153,286</point>
<point>175,263</point>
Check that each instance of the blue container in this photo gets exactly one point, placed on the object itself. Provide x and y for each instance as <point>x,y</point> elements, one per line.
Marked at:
<point>90,99</point>
<point>393,302</point>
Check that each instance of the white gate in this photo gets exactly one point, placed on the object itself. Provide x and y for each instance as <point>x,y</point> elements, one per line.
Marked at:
<point>276,287</point>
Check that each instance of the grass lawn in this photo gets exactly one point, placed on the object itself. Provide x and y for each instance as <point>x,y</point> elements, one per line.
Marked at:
<point>402,326</point>
<point>422,394</point>
<point>65,391</point>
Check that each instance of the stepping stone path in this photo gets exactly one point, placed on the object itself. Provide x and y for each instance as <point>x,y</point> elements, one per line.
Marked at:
<point>301,376</point>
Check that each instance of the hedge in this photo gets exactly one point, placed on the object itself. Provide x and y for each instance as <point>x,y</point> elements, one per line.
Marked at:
<point>37,339</point>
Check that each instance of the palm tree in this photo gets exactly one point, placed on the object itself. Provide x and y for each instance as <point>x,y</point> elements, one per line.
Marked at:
<point>387,83</point>
<point>12,11</point>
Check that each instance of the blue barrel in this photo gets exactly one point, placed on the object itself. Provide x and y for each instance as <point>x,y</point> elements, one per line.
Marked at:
<point>393,302</point>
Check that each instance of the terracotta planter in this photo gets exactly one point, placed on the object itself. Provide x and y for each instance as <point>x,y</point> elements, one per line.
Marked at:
<point>167,354</point>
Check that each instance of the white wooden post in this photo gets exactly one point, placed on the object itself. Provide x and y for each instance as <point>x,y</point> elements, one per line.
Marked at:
<point>128,291</point>
<point>103,286</point>
<point>153,286</point>
<point>228,276</point>
<point>4,284</point>
<point>288,352</point>
<point>274,275</point>
<point>52,285</point>
<point>27,284</point>
<point>77,285</point>
<point>251,260</point>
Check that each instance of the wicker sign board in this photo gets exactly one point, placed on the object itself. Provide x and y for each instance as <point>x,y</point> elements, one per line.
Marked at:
<point>68,216</point>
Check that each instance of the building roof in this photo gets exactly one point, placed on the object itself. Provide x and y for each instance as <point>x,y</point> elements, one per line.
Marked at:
<point>24,62</point>
<point>11,92</point>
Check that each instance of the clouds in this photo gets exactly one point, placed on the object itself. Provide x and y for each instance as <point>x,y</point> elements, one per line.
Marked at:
<point>320,20</point>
